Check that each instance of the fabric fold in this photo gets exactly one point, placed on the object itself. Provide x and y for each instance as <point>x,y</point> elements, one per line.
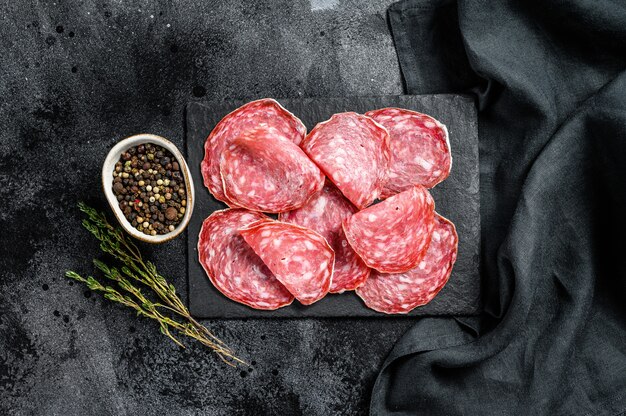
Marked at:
<point>552,126</point>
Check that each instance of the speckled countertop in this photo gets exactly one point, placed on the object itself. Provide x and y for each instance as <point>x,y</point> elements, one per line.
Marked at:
<point>76,77</point>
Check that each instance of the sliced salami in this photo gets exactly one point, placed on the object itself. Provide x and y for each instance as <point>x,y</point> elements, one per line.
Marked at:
<point>324,213</point>
<point>392,235</point>
<point>420,149</point>
<point>402,292</point>
<point>264,113</point>
<point>353,151</point>
<point>262,170</point>
<point>300,258</point>
<point>233,267</point>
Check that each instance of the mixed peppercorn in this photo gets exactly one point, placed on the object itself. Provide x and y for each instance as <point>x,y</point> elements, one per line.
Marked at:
<point>150,189</point>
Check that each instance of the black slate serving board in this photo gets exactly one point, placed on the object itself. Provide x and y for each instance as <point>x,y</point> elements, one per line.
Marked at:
<point>457,198</point>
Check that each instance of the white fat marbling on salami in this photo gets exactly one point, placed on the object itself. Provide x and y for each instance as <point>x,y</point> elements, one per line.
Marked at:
<point>420,149</point>
<point>300,258</point>
<point>264,113</point>
<point>396,241</point>
<point>264,171</point>
<point>402,292</point>
<point>324,213</point>
<point>353,151</point>
<point>233,267</point>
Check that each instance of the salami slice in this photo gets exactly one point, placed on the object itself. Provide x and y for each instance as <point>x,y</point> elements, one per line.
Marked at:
<point>420,149</point>
<point>262,170</point>
<point>324,213</point>
<point>402,292</point>
<point>299,257</point>
<point>392,235</point>
<point>353,151</point>
<point>263,113</point>
<point>233,267</point>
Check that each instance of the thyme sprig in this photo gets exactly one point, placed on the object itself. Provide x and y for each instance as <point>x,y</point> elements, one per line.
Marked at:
<point>169,311</point>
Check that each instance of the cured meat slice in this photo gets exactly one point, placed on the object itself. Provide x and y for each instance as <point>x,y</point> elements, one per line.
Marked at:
<point>262,170</point>
<point>420,149</point>
<point>353,151</point>
<point>233,267</point>
<point>264,113</point>
<point>299,258</point>
<point>324,213</point>
<point>392,235</point>
<point>402,292</point>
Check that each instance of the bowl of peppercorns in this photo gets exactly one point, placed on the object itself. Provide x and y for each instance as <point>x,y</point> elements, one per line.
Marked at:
<point>147,183</point>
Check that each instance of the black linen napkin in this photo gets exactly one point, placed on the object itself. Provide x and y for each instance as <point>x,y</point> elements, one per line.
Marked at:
<point>550,84</point>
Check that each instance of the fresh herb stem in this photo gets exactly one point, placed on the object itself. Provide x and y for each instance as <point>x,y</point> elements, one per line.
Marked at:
<point>169,312</point>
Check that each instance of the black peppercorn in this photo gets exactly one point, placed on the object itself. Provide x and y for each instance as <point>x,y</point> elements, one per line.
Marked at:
<point>148,197</point>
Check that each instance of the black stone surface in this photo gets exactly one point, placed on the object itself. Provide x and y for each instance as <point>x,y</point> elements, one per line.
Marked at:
<point>76,77</point>
<point>456,198</point>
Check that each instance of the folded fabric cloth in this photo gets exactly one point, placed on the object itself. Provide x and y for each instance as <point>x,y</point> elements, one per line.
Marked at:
<point>550,84</point>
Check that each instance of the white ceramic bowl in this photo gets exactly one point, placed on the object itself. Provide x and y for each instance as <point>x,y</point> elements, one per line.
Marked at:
<point>107,184</point>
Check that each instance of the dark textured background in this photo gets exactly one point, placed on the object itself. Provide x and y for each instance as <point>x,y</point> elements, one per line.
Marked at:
<point>77,76</point>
